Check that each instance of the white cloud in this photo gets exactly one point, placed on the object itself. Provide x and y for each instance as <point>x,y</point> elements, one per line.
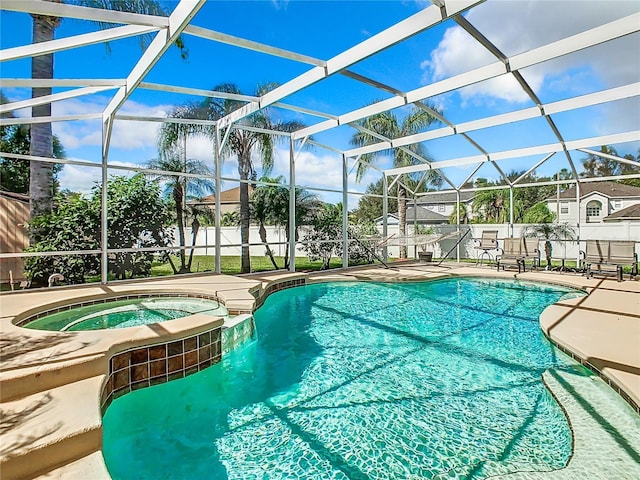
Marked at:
<point>127,135</point>
<point>200,148</point>
<point>77,178</point>
<point>81,179</point>
<point>316,169</point>
<point>517,26</point>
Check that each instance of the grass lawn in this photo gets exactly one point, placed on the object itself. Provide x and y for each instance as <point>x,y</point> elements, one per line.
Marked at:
<point>230,265</point>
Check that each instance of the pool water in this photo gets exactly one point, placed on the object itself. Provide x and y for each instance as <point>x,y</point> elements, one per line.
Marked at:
<point>127,313</point>
<point>361,381</point>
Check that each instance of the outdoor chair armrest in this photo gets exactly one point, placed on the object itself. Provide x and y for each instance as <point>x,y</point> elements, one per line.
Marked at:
<point>582,255</point>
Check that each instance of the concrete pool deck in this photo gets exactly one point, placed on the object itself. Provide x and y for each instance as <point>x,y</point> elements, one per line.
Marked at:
<point>50,382</point>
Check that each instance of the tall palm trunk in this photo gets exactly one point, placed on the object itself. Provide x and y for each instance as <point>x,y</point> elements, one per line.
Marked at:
<point>41,173</point>
<point>244,167</point>
<point>177,197</point>
<point>195,227</point>
<point>286,250</point>
<point>263,238</point>
<point>402,218</point>
<point>547,252</point>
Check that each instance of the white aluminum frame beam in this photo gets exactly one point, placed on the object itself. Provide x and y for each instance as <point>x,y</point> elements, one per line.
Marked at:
<point>61,82</point>
<point>197,91</point>
<point>397,33</point>
<point>633,136</point>
<point>64,10</point>
<point>532,169</point>
<point>178,20</point>
<point>610,157</point>
<point>604,96</point>
<point>250,45</point>
<point>181,121</point>
<point>231,96</point>
<point>67,43</point>
<point>56,97</point>
<point>52,119</point>
<point>589,38</point>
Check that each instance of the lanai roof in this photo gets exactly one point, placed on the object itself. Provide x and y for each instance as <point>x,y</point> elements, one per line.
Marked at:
<point>493,142</point>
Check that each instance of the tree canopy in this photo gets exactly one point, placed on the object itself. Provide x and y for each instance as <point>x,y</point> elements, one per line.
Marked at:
<point>601,166</point>
<point>14,173</point>
<point>137,218</point>
<point>388,126</point>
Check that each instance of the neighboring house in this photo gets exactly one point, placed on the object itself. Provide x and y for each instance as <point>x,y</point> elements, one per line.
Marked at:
<point>631,213</point>
<point>599,202</point>
<point>424,217</point>
<point>445,203</point>
<point>229,200</point>
<point>14,215</point>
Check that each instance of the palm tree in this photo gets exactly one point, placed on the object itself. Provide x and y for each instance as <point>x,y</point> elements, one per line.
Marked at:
<point>41,173</point>
<point>596,166</point>
<point>263,199</point>
<point>14,173</point>
<point>196,212</point>
<point>241,143</point>
<point>271,204</point>
<point>464,214</point>
<point>230,219</point>
<point>388,125</point>
<point>549,231</point>
<point>307,204</point>
<point>178,187</point>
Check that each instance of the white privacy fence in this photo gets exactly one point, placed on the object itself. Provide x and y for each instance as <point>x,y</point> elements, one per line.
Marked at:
<point>568,249</point>
<point>230,239</point>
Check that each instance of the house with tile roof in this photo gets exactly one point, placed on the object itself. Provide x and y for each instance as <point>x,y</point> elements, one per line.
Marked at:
<point>599,202</point>
<point>418,215</point>
<point>444,204</point>
<point>229,200</point>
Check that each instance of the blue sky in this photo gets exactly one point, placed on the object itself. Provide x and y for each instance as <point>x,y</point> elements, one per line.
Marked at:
<point>323,29</point>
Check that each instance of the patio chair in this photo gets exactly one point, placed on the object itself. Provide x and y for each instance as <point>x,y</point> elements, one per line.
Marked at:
<point>596,253</point>
<point>623,253</point>
<point>511,254</point>
<point>487,242</point>
<point>531,250</point>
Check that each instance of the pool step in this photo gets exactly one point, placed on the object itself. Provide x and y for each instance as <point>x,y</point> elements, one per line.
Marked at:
<point>50,429</point>
<point>19,383</point>
<point>91,467</point>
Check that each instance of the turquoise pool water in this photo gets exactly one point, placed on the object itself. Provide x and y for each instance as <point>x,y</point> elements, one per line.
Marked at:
<point>127,313</point>
<point>360,381</point>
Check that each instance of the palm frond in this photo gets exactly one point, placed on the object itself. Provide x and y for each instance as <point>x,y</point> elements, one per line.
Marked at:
<point>144,7</point>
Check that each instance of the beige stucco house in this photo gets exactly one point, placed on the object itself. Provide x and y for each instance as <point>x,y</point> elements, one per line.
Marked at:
<point>599,202</point>
<point>229,200</point>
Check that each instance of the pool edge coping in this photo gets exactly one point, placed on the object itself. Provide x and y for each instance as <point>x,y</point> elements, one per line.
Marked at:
<point>270,286</point>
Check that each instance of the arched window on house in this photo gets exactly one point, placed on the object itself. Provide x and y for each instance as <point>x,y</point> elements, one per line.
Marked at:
<point>594,210</point>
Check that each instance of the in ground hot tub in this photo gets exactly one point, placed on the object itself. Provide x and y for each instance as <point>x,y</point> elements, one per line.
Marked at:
<point>129,312</point>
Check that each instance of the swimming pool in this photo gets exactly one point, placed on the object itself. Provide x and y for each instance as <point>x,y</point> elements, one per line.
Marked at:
<point>361,381</point>
<point>131,312</point>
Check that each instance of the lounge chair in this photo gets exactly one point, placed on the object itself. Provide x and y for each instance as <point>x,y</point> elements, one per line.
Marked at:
<point>531,250</point>
<point>488,241</point>
<point>623,253</point>
<point>512,254</point>
<point>609,255</point>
